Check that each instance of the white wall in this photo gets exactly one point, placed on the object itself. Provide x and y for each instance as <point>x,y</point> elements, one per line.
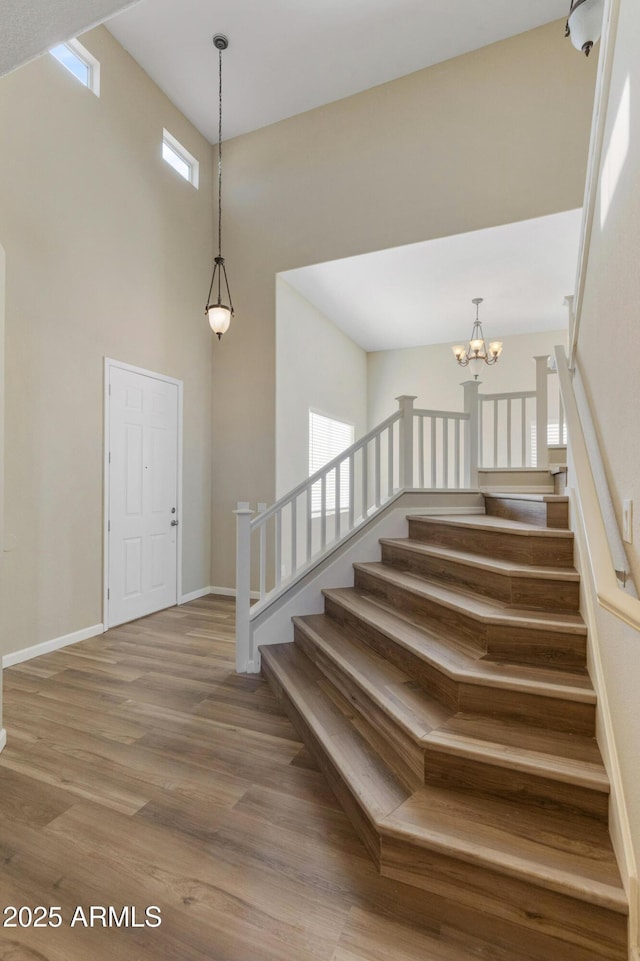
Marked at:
<point>109,253</point>
<point>432,374</point>
<point>607,355</point>
<point>492,137</point>
<point>317,367</point>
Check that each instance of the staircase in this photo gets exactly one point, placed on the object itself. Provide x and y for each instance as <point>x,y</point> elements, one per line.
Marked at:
<point>445,697</point>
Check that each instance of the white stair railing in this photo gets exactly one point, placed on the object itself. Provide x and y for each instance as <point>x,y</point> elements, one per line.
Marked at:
<point>412,449</point>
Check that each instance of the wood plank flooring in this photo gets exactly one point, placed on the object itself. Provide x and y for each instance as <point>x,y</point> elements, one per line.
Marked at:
<point>141,770</point>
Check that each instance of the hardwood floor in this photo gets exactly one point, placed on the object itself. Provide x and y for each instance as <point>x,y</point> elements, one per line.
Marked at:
<point>141,770</point>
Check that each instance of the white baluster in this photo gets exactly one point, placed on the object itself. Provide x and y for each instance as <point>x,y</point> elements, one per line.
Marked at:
<point>309,522</point>
<point>421,450</point>
<point>457,479</point>
<point>365,481</point>
<point>352,491</point>
<point>243,588</point>
<point>445,452</point>
<point>405,403</point>
<point>376,477</point>
<point>294,536</point>
<point>434,453</point>
<point>323,512</point>
<point>542,411</point>
<point>278,522</point>
<point>523,429</point>
<point>473,436</point>
<point>509,403</point>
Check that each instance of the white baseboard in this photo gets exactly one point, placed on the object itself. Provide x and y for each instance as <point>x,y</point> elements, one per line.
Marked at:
<point>194,595</point>
<point>3,739</point>
<point>46,647</point>
<point>231,592</point>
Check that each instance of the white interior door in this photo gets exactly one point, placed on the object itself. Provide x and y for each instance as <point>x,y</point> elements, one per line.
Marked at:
<point>142,509</point>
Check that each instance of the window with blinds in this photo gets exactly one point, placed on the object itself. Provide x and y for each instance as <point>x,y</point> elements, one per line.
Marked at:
<point>328,438</point>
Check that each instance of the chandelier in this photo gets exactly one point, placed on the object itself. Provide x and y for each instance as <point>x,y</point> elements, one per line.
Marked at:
<point>477,349</point>
<point>219,314</point>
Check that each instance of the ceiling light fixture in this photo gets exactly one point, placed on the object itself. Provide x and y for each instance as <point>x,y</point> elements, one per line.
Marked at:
<point>218,313</point>
<point>477,350</point>
<point>584,24</point>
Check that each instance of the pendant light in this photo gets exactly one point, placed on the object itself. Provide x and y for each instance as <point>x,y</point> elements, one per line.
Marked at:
<point>219,313</point>
<point>584,25</point>
<point>477,349</point>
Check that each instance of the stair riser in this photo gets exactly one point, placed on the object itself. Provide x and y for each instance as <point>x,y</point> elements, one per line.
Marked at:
<point>556,713</point>
<point>523,592</point>
<point>452,770</point>
<point>519,644</point>
<point>354,811</point>
<point>546,551</point>
<point>388,739</point>
<point>548,712</point>
<point>432,680</point>
<point>532,908</point>
<point>541,513</point>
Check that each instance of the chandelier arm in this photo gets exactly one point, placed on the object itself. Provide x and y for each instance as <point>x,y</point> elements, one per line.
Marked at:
<point>213,279</point>
<point>227,286</point>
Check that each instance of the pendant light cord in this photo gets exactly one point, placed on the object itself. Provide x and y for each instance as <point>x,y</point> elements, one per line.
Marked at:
<point>219,153</point>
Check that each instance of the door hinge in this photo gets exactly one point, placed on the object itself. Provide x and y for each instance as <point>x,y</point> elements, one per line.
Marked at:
<point>109,456</point>
<point>108,526</point>
<point>108,594</point>
<point>109,390</point>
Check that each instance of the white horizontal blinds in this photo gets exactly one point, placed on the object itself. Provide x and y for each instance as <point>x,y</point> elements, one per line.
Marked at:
<point>553,440</point>
<point>328,438</point>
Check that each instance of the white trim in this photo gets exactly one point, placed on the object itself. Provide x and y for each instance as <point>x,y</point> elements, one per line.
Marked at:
<point>46,647</point>
<point>231,592</point>
<point>619,825</point>
<point>3,739</point>
<point>194,595</point>
<point>598,125</point>
<point>515,489</point>
<point>108,364</point>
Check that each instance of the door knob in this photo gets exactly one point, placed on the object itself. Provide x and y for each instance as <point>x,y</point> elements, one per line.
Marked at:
<point>174,523</point>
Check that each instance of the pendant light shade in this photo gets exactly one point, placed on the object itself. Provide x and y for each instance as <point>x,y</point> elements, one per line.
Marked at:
<point>219,312</point>
<point>584,25</point>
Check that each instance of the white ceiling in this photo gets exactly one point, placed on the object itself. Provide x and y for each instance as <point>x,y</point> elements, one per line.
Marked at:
<point>288,56</point>
<point>29,27</point>
<point>422,293</point>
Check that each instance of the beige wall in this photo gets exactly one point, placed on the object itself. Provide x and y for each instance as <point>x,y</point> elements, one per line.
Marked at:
<point>432,374</point>
<point>108,253</point>
<point>608,351</point>
<point>495,136</point>
<point>318,367</point>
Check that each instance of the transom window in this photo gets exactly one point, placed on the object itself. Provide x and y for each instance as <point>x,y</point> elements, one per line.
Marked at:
<point>179,158</point>
<point>78,61</point>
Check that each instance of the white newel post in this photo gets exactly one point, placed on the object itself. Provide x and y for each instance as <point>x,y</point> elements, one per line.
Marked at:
<point>472,436</point>
<point>405,403</point>
<point>542,411</point>
<point>243,587</point>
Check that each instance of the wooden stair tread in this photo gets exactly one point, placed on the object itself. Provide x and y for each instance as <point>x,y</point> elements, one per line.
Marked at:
<point>482,561</point>
<point>567,853</point>
<point>512,733</point>
<point>474,605</point>
<point>368,778</point>
<point>529,496</point>
<point>573,759</point>
<point>488,522</point>
<point>542,760</point>
<point>390,688</point>
<point>438,650</point>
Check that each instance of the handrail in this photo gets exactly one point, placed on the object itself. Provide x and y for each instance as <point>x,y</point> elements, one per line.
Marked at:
<point>323,471</point>
<point>601,551</point>
<point>598,124</point>
<point>449,414</point>
<point>508,395</point>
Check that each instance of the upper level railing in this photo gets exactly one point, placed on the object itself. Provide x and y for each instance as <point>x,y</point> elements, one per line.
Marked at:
<point>413,448</point>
